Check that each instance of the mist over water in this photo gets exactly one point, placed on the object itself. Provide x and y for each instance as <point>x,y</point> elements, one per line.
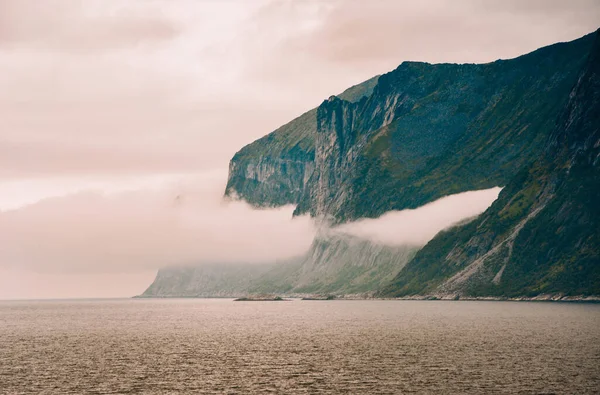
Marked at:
<point>114,232</point>
<point>173,224</point>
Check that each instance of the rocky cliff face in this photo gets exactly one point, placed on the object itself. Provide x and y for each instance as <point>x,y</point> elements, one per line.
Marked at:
<point>428,131</point>
<point>335,264</point>
<point>542,236</point>
<point>275,169</point>
<point>336,146</point>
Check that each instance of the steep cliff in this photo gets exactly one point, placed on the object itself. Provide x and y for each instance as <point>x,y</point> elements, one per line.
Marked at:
<point>542,236</point>
<point>274,170</point>
<point>428,131</point>
<point>411,136</point>
<point>336,264</point>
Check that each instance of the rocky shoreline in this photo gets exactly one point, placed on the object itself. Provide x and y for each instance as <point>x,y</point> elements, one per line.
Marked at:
<point>309,297</point>
<point>261,298</point>
<point>538,298</point>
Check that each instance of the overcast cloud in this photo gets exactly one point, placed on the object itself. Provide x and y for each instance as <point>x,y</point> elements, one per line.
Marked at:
<point>113,87</point>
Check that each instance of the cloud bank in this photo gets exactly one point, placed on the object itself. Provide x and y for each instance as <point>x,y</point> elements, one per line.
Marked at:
<point>418,226</point>
<point>105,87</point>
<point>188,223</point>
<point>91,231</point>
<point>110,241</point>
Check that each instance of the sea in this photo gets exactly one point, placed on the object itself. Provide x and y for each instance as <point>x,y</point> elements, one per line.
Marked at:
<point>218,346</point>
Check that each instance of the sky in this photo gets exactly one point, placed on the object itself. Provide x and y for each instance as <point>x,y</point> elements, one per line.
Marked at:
<point>105,104</point>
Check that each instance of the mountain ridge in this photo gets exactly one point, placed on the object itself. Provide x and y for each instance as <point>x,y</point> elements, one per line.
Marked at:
<point>419,133</point>
<point>413,123</point>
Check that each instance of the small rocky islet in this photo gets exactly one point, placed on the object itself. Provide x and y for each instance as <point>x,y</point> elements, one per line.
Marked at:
<point>261,298</point>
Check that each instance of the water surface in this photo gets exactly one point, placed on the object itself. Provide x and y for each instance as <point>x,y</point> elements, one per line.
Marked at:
<point>370,347</point>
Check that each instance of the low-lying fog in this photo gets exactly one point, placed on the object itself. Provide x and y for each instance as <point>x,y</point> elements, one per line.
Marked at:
<point>110,242</point>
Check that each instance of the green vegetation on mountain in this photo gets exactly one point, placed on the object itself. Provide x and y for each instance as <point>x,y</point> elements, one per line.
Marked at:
<point>336,264</point>
<point>428,131</point>
<point>273,170</point>
<point>206,281</point>
<point>411,136</point>
<point>542,236</point>
<point>422,132</point>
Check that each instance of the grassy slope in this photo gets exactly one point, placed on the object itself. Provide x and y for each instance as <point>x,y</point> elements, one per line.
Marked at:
<point>297,136</point>
<point>557,250</point>
<point>462,127</point>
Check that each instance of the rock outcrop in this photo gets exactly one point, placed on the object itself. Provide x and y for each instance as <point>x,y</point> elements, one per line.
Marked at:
<point>274,170</point>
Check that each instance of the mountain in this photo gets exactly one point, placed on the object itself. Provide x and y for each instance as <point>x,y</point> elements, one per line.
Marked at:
<point>421,132</point>
<point>425,131</point>
<point>336,264</point>
<point>274,170</point>
<point>542,236</point>
<point>206,281</point>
